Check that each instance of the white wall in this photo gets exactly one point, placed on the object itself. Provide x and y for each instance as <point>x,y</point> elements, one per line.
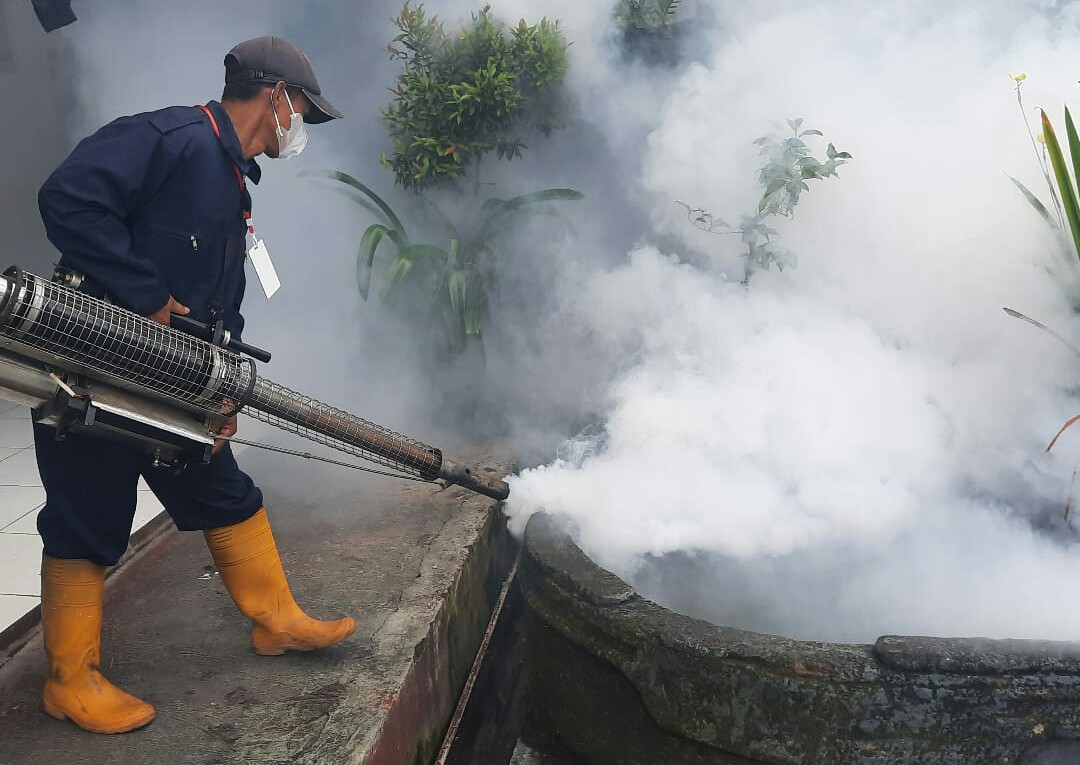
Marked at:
<point>35,94</point>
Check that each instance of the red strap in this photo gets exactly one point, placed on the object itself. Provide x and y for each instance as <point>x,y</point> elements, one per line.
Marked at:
<point>236,168</point>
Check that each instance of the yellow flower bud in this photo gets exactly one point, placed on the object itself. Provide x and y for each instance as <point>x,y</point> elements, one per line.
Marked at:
<point>1018,78</point>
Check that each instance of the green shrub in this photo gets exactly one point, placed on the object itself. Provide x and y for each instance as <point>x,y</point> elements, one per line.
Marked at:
<point>461,96</point>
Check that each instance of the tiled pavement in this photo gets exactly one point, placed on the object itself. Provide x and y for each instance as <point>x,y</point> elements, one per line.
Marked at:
<point>21,496</point>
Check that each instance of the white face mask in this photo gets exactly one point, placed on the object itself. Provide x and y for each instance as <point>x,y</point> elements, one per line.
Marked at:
<point>292,141</point>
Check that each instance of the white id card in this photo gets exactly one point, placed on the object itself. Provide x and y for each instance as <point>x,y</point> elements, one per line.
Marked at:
<point>264,267</point>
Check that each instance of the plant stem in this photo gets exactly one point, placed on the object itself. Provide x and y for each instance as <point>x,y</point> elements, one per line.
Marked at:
<point>1040,156</point>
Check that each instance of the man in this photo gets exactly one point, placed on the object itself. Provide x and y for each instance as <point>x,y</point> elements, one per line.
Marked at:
<point>153,210</point>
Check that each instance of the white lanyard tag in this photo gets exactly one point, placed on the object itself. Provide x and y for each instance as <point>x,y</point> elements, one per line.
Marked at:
<point>264,267</point>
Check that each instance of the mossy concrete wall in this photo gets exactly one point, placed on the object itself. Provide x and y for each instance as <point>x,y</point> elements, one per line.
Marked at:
<point>615,678</point>
<point>418,716</point>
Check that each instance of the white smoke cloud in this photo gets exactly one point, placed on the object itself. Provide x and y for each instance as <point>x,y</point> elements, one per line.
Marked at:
<point>849,448</point>
<point>853,447</point>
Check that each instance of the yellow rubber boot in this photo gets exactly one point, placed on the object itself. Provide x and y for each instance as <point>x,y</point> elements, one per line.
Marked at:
<point>247,559</point>
<point>71,600</point>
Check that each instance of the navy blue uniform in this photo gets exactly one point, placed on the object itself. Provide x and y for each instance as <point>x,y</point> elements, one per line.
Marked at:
<point>148,207</point>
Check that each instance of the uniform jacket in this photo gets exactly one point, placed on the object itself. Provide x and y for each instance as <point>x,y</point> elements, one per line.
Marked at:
<point>150,206</point>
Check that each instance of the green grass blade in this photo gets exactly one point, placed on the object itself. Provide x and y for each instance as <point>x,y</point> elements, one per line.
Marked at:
<point>1064,182</point>
<point>365,255</point>
<point>1033,200</point>
<point>337,175</point>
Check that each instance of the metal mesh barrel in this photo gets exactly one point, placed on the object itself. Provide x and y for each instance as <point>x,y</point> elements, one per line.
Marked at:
<point>296,413</point>
<point>56,324</point>
<point>99,339</point>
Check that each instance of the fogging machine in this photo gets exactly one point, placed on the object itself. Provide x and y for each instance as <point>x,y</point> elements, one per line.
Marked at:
<point>84,364</point>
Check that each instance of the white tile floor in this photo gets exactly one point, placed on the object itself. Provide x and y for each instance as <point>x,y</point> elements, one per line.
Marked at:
<point>21,496</point>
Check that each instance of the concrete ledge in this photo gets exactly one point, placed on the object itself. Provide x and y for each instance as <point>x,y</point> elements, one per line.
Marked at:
<point>977,656</point>
<point>615,678</point>
<point>419,569</point>
<point>417,718</point>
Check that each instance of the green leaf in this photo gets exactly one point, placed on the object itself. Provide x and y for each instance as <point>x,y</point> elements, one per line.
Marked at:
<point>365,256</point>
<point>417,253</point>
<point>406,259</point>
<point>337,175</point>
<point>547,195</point>
<point>447,224</point>
<point>499,213</point>
<point>361,200</point>
<point>456,283</point>
<point>475,311</point>
<point>452,255</point>
<point>397,272</point>
<point>775,186</point>
<point>1064,182</point>
<point>1033,200</point>
<point>795,124</point>
<point>810,132</point>
<point>1074,143</point>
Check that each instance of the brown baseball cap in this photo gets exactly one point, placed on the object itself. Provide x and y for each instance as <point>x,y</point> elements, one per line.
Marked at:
<point>271,60</point>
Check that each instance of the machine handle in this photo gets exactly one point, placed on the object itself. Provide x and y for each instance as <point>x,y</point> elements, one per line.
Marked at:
<point>206,332</point>
<point>258,354</point>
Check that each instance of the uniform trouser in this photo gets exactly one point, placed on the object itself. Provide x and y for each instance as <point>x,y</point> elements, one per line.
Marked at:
<point>91,486</point>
